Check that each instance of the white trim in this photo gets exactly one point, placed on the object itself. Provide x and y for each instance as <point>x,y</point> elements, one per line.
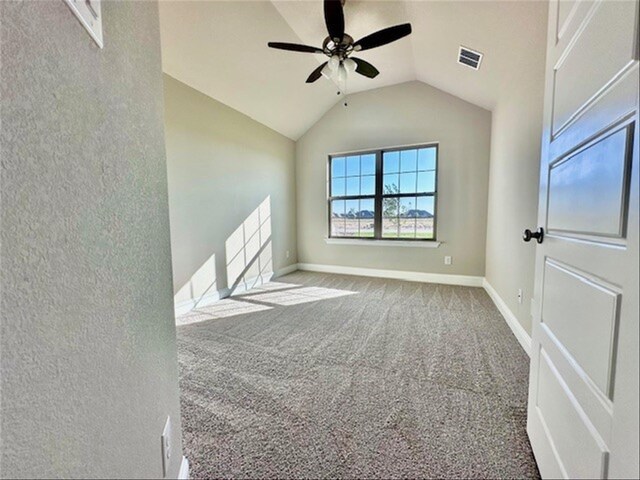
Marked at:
<point>185,306</point>
<point>90,17</point>
<point>465,280</point>
<point>217,295</point>
<point>211,297</point>
<point>383,243</point>
<point>286,270</point>
<point>518,330</point>
<point>391,147</point>
<point>183,474</point>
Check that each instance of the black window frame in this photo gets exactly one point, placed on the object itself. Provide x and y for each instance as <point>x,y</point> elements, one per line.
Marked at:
<point>379,195</point>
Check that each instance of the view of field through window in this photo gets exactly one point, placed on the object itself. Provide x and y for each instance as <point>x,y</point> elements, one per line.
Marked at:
<point>406,194</point>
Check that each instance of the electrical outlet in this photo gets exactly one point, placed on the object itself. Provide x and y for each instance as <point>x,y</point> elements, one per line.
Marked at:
<point>447,260</point>
<point>287,253</point>
<point>166,447</point>
<point>520,296</point>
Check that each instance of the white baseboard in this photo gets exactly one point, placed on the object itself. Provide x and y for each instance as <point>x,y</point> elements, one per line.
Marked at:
<point>216,295</point>
<point>186,306</point>
<point>520,333</point>
<point>286,270</point>
<point>465,280</point>
<point>211,297</point>
<point>184,469</point>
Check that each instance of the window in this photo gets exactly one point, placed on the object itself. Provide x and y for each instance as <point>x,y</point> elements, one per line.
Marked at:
<point>385,194</point>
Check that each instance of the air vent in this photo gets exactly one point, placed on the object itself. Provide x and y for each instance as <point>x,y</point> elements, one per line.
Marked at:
<point>470,58</point>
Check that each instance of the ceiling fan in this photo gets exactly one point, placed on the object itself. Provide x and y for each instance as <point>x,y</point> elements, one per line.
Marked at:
<point>339,46</point>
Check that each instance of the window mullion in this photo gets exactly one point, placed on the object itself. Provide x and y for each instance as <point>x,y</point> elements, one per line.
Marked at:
<point>377,224</point>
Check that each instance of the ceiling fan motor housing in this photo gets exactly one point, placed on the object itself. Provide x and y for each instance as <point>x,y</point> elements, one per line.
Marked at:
<point>342,49</point>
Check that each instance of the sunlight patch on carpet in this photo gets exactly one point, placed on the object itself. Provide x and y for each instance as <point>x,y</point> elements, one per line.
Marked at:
<point>221,309</point>
<point>300,295</point>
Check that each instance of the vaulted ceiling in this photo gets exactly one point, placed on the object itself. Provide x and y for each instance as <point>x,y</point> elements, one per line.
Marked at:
<point>220,48</point>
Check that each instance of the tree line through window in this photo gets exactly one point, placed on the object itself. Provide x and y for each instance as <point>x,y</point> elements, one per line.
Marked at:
<point>384,194</point>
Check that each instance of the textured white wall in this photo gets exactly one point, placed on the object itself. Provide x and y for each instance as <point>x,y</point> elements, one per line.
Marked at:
<point>515,169</point>
<point>88,365</point>
<point>402,114</point>
<point>222,166</point>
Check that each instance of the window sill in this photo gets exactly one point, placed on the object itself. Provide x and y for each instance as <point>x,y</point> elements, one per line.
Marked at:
<point>383,243</point>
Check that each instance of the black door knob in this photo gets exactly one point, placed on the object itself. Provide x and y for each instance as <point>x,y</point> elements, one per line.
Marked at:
<point>538,235</point>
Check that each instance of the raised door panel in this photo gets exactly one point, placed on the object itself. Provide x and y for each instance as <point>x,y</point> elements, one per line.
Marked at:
<point>599,52</point>
<point>567,428</point>
<point>613,105</point>
<point>588,190</point>
<point>582,314</point>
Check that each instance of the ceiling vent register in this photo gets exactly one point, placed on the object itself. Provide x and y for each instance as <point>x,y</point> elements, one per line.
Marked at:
<point>469,58</point>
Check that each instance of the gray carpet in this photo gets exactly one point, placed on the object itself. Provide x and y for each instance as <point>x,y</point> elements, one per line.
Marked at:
<point>336,376</point>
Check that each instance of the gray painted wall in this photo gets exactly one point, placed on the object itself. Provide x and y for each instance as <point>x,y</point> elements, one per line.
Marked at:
<point>222,166</point>
<point>89,370</point>
<point>402,114</point>
<point>515,168</point>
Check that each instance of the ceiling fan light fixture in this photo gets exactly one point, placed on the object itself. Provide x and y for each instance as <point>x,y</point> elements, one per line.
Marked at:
<point>350,65</point>
<point>342,77</point>
<point>334,62</point>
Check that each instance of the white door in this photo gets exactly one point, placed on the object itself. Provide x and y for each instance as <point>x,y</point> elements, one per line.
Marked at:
<point>583,396</point>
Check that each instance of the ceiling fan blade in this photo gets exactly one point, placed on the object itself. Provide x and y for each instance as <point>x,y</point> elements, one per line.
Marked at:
<point>295,47</point>
<point>365,68</point>
<point>382,37</point>
<point>334,18</point>
<point>316,74</point>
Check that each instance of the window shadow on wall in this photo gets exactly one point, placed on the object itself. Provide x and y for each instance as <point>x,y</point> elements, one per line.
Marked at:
<point>201,283</point>
<point>248,250</point>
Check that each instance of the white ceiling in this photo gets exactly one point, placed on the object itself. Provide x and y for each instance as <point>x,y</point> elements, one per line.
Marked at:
<point>220,48</point>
